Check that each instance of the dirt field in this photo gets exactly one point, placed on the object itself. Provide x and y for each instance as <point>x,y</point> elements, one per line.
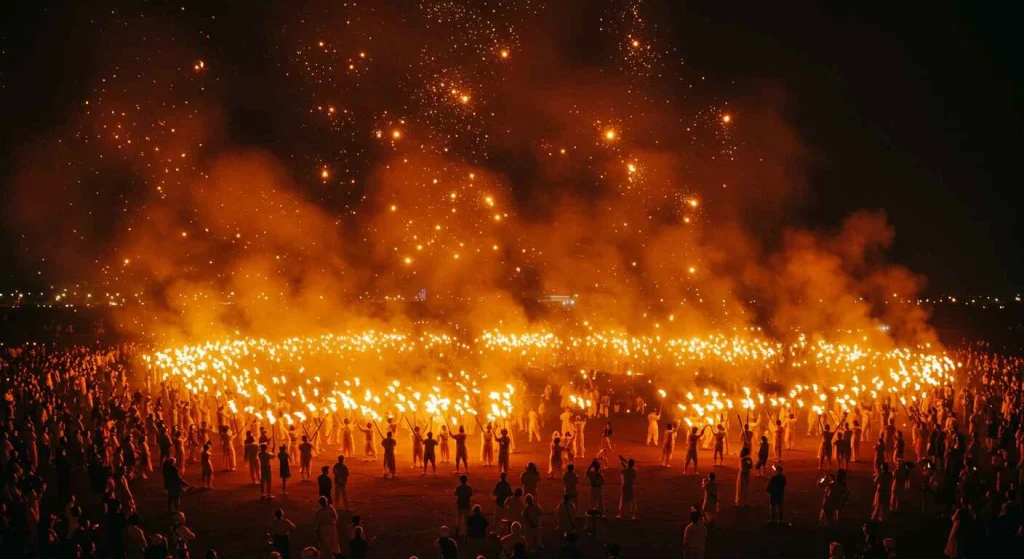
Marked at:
<point>402,515</point>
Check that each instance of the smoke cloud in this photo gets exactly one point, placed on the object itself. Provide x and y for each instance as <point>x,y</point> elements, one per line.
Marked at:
<point>477,156</point>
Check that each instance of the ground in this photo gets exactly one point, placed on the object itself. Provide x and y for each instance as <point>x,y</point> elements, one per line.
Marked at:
<point>402,515</point>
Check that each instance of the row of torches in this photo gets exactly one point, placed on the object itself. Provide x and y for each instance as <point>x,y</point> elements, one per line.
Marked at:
<point>287,392</point>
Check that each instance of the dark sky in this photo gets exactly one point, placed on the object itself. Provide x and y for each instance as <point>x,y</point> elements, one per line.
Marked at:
<point>915,110</point>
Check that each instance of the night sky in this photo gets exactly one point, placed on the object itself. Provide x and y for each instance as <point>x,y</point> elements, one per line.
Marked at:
<point>915,111</point>
<point>910,107</point>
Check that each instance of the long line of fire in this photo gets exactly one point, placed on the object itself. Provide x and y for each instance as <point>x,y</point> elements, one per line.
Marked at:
<point>372,376</point>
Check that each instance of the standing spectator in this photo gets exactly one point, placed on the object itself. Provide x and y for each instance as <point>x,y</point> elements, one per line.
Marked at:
<point>566,515</point>
<point>173,484</point>
<point>776,495</point>
<point>530,479</point>
<point>627,496</point>
<point>502,491</point>
<point>476,524</point>
<point>445,546</point>
<point>134,539</point>
<point>569,483</point>
<point>357,546</point>
<point>883,496</point>
<point>596,479</point>
<point>180,537</point>
<point>531,524</point>
<point>463,496</point>
<point>513,539</point>
<point>743,478</point>
<point>476,529</point>
<point>326,530</point>
<point>280,534</point>
<point>284,468</point>
<point>694,537</point>
<point>340,472</point>
<point>323,483</point>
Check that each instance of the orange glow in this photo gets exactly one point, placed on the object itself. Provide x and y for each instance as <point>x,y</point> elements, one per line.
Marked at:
<point>726,118</point>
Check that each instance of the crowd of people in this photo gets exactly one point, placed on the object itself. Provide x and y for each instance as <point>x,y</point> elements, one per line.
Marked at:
<point>81,413</point>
